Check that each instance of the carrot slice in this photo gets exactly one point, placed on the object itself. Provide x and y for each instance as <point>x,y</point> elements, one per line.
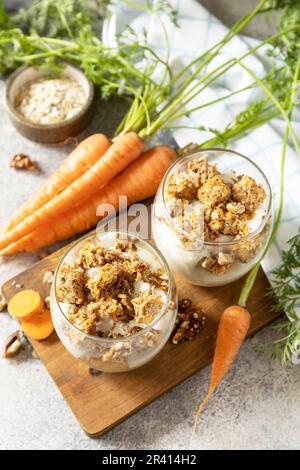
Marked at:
<point>40,327</point>
<point>25,305</point>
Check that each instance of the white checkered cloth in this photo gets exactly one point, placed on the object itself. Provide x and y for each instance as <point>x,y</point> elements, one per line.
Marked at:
<point>198,31</point>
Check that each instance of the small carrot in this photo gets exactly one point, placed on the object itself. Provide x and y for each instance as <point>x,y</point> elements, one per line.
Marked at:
<point>139,181</point>
<point>78,162</point>
<point>233,328</point>
<point>124,151</point>
<point>40,326</point>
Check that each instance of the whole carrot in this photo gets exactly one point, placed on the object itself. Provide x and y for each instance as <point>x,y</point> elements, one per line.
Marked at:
<point>139,181</point>
<point>232,331</point>
<point>78,162</point>
<point>125,149</point>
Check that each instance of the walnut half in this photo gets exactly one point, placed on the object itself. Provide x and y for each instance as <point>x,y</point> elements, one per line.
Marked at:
<point>20,161</point>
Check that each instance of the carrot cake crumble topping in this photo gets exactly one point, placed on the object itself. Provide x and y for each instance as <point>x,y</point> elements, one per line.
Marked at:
<point>112,293</point>
<point>210,205</point>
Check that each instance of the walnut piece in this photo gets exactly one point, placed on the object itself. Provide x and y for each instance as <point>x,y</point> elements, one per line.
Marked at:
<point>20,161</point>
<point>189,322</point>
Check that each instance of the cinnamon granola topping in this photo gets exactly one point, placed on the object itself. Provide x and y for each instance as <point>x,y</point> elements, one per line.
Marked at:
<point>112,293</point>
<point>226,202</point>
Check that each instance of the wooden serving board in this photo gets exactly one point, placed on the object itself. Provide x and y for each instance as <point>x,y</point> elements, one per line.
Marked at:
<point>101,402</point>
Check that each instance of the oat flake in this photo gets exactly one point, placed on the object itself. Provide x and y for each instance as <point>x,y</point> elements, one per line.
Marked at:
<point>50,101</point>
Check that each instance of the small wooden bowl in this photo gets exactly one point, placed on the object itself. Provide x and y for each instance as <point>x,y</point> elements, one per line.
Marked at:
<point>49,133</point>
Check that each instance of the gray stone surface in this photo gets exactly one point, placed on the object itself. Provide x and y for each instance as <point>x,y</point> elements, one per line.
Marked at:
<point>229,11</point>
<point>257,407</point>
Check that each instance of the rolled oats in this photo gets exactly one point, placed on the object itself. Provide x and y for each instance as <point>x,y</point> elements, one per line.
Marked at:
<point>50,101</point>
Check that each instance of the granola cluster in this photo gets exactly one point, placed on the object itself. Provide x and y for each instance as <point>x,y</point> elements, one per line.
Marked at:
<point>112,293</point>
<point>210,205</point>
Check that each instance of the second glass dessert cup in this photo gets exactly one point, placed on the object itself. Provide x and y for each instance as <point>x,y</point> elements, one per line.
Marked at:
<point>191,261</point>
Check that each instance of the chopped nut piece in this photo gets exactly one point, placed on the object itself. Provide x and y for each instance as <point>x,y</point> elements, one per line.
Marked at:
<point>209,262</point>
<point>12,345</point>
<point>213,265</point>
<point>184,304</point>
<point>225,258</point>
<point>47,302</point>
<point>22,162</point>
<point>188,324</point>
<point>2,303</point>
<point>48,277</point>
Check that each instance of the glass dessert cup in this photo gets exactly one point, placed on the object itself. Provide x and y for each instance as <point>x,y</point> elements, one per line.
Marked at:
<point>124,353</point>
<point>188,258</point>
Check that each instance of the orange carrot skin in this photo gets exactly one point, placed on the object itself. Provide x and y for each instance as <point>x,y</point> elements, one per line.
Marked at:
<point>232,331</point>
<point>233,328</point>
<point>124,151</point>
<point>138,182</point>
<point>75,165</point>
